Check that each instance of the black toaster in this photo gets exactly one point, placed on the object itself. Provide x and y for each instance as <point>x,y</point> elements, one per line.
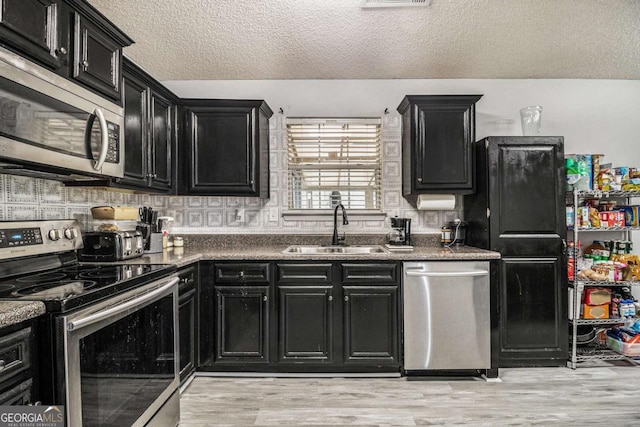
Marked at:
<point>107,246</point>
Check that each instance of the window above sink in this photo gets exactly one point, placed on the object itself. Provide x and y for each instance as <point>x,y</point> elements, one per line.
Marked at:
<point>333,161</point>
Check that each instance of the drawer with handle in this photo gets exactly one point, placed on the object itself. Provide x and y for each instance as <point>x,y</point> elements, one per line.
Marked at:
<point>14,353</point>
<point>242,273</point>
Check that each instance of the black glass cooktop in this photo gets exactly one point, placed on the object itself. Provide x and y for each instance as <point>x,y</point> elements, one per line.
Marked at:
<point>70,287</point>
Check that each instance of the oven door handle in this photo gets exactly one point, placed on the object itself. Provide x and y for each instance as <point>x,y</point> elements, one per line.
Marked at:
<point>128,305</point>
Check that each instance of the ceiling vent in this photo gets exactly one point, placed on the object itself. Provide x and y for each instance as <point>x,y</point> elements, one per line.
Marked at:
<point>393,3</point>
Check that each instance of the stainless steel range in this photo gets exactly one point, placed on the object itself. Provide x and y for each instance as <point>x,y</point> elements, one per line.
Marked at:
<point>112,329</point>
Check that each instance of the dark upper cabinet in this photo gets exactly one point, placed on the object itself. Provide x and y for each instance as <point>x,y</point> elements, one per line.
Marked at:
<point>437,136</point>
<point>518,210</point>
<point>135,93</point>
<point>150,132</point>
<point>226,148</point>
<point>32,28</point>
<point>96,58</point>
<point>69,37</point>
<point>161,114</point>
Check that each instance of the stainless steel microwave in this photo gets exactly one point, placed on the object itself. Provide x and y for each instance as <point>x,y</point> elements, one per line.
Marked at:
<point>50,124</point>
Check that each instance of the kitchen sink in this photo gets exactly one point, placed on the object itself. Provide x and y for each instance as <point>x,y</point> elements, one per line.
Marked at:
<point>317,249</point>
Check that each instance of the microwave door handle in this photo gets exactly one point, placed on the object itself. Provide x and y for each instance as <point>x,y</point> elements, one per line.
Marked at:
<point>104,147</point>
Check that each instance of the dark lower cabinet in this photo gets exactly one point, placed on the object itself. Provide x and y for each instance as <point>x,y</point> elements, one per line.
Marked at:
<point>368,309</point>
<point>328,317</point>
<point>187,318</point>
<point>533,327</point>
<point>370,313</point>
<point>305,324</point>
<point>17,373</point>
<point>242,300</point>
<point>306,314</point>
<point>242,324</point>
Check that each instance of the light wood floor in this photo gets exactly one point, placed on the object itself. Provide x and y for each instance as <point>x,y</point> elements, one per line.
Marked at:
<point>542,396</point>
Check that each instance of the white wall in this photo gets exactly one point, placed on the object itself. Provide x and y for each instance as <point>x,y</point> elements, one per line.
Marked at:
<point>594,116</point>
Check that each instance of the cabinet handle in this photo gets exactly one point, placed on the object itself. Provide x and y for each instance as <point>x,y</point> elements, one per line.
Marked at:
<point>251,182</point>
<point>85,64</point>
<point>241,274</point>
<point>346,297</point>
<point>330,297</point>
<point>61,50</point>
<point>264,298</point>
<point>419,179</point>
<point>3,365</point>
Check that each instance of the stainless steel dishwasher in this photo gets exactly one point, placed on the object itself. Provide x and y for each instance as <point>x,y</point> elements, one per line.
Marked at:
<point>447,323</point>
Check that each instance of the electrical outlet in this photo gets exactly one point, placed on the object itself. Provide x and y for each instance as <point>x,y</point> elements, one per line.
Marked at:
<point>273,214</point>
<point>240,215</point>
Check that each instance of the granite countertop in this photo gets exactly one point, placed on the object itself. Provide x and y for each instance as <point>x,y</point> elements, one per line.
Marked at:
<point>13,312</point>
<point>187,255</point>
<point>261,248</point>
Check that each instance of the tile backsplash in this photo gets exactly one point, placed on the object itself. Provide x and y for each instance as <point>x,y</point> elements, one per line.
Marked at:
<point>24,198</point>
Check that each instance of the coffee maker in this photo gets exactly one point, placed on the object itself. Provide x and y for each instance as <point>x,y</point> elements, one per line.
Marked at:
<point>401,233</point>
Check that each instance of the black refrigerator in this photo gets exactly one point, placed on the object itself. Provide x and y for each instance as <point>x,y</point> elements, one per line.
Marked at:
<point>519,211</point>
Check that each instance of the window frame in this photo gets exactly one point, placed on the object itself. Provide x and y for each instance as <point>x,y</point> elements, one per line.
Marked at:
<point>371,163</point>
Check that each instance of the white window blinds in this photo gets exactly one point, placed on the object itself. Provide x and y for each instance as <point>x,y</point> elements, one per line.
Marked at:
<point>334,160</point>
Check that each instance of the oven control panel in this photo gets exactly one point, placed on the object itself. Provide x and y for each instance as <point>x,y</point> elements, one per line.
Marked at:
<point>28,238</point>
<point>20,237</point>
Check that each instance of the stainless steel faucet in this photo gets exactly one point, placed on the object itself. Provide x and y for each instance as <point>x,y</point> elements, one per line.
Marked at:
<point>336,239</point>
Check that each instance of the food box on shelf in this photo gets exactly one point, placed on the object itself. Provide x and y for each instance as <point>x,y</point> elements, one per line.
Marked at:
<point>579,169</point>
<point>630,215</point>
<point>595,311</point>
<point>597,296</point>
<point>628,349</point>
<point>612,219</point>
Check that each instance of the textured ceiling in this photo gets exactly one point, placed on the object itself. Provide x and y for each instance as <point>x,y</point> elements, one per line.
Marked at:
<point>336,39</point>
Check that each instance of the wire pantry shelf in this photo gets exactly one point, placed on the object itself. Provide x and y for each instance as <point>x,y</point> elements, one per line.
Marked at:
<point>604,194</point>
<point>599,354</point>
<point>598,351</point>
<point>618,228</point>
<point>614,321</point>
<point>602,283</point>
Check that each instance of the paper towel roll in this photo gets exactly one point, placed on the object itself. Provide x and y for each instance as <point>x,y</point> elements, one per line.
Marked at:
<point>436,202</point>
